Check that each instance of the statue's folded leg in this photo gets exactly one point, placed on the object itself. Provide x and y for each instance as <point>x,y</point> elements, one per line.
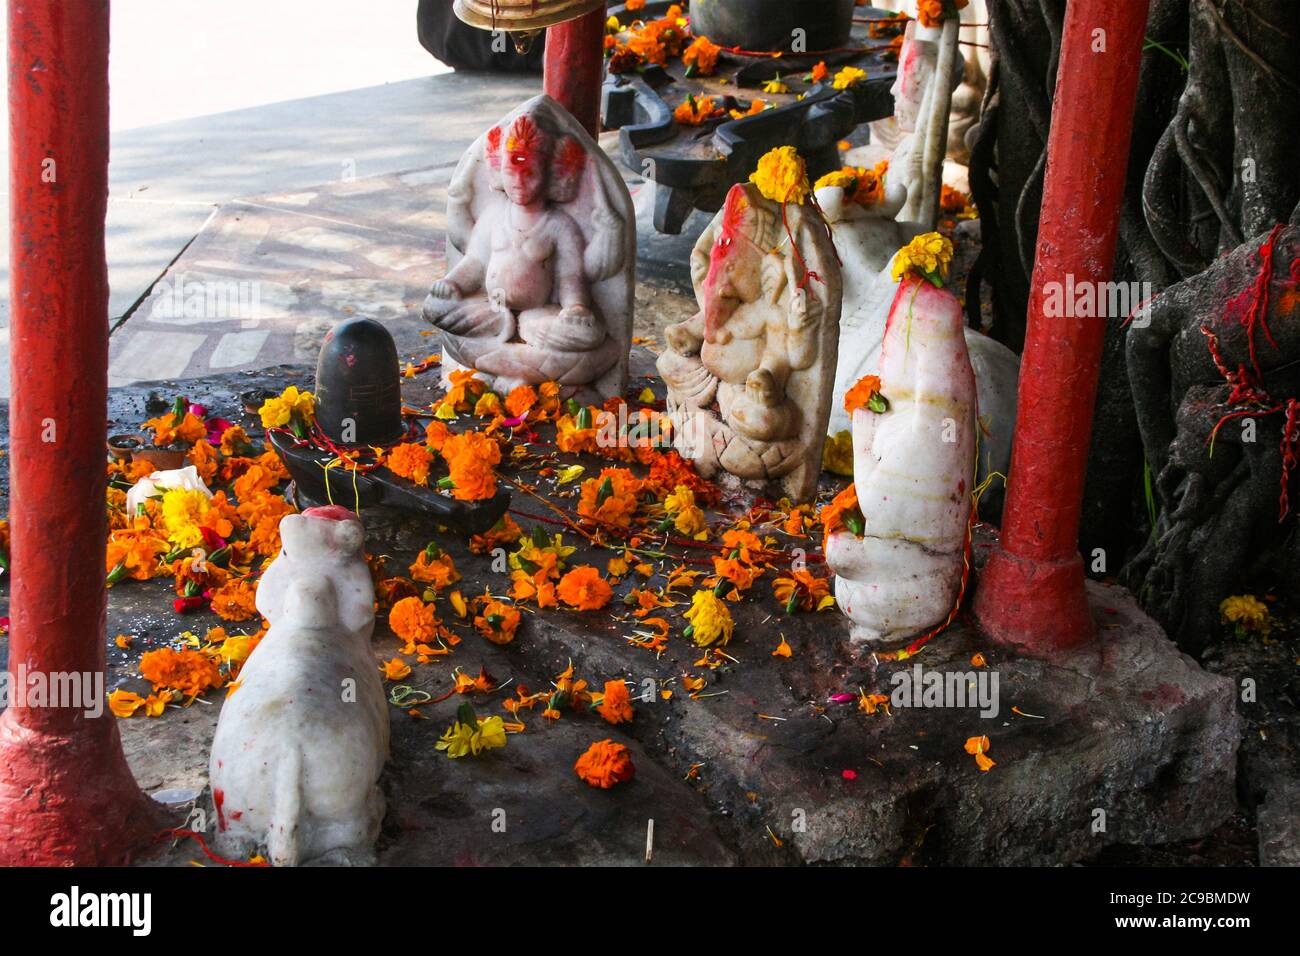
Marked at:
<point>571,329</point>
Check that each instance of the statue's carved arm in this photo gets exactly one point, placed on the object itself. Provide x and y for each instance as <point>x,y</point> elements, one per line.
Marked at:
<point>803,326</point>
<point>606,250</point>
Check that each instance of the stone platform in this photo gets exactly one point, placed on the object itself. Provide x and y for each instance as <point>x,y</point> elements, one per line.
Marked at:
<point>1127,742</point>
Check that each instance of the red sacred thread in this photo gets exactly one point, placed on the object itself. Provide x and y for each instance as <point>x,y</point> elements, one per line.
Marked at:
<point>1247,384</point>
<point>181,833</point>
<point>1252,303</point>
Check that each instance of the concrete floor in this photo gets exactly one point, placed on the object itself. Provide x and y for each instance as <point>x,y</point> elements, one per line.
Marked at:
<point>264,115</point>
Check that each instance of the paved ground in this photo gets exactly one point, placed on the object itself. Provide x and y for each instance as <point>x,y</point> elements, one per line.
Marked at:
<point>212,103</point>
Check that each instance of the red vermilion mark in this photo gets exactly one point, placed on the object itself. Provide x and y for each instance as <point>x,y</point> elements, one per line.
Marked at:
<point>218,799</point>
<point>331,513</point>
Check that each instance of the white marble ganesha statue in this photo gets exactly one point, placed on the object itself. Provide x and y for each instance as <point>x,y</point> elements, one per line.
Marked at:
<point>541,244</point>
<point>301,742</point>
<point>749,376</point>
<point>913,468</point>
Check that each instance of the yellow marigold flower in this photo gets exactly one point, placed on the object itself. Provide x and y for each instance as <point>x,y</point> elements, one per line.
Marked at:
<point>847,77</point>
<point>182,513</point>
<point>710,619</point>
<point>775,85</point>
<point>1247,613</point>
<point>277,412</point>
<point>469,735</point>
<point>841,178</point>
<point>837,454</point>
<point>927,256</point>
<point>782,176</point>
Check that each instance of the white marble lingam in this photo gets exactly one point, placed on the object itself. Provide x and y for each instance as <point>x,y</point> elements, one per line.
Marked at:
<point>913,468</point>
<point>866,238</point>
<point>541,245</point>
<point>302,740</point>
<point>750,375</point>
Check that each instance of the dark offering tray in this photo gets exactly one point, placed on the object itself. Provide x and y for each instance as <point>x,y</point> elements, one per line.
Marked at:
<point>694,166</point>
<point>314,484</point>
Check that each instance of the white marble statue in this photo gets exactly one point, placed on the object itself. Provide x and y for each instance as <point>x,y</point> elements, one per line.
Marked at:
<point>964,112</point>
<point>302,739</point>
<point>541,245</point>
<point>913,469</point>
<point>866,238</point>
<point>919,130</point>
<point>749,375</point>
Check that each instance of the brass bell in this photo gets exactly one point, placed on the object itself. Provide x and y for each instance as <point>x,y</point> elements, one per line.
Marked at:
<point>522,16</point>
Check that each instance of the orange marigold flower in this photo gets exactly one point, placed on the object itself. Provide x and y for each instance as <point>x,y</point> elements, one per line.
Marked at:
<point>168,429</point>
<point>696,110</point>
<point>437,569</point>
<point>254,479</point>
<point>616,705</point>
<point>505,531</point>
<point>235,600</point>
<point>410,461</point>
<point>820,72</point>
<point>610,499</point>
<point>204,458</point>
<point>498,622</point>
<point>862,394</point>
<point>702,54</point>
<point>520,400</point>
<point>465,389</point>
<point>436,434</point>
<point>802,589</point>
<point>234,441</point>
<point>189,671</point>
<point>471,457</point>
<point>134,554</point>
<point>414,621</point>
<point>527,587</point>
<point>605,764</point>
<point>584,589</point>
<point>843,511</point>
<point>952,200</point>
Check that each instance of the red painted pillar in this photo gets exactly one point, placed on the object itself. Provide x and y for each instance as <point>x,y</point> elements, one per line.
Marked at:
<point>66,794</point>
<point>1031,593</point>
<point>575,66</point>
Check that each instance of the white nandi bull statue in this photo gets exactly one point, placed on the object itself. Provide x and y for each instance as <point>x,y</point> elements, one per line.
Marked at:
<point>303,738</point>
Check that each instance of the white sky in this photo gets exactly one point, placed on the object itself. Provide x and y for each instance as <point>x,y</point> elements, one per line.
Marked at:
<point>176,59</point>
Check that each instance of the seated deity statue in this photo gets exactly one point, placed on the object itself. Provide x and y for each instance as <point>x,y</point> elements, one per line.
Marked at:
<point>749,376</point>
<point>541,248</point>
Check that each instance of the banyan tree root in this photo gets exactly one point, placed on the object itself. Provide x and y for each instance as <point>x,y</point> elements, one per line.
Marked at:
<point>1215,373</point>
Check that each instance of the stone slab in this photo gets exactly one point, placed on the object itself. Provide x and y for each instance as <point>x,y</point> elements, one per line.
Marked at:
<point>762,768</point>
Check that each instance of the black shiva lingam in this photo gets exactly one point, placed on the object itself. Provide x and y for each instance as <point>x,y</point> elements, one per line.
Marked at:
<point>359,407</point>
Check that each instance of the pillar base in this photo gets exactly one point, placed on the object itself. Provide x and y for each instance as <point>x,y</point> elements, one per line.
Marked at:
<point>1034,607</point>
<point>69,799</point>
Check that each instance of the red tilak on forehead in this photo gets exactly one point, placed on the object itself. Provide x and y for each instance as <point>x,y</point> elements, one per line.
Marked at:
<point>524,136</point>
